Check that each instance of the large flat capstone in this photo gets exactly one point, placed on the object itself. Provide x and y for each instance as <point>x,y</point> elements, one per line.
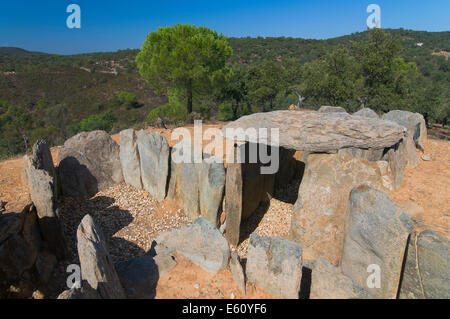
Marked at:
<point>318,132</point>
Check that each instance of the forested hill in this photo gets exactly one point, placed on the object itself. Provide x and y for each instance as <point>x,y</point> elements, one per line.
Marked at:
<point>55,96</point>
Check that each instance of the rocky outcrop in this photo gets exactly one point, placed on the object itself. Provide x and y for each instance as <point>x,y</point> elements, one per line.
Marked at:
<point>197,187</point>
<point>320,132</point>
<point>129,158</point>
<point>275,265</point>
<point>89,162</point>
<point>319,213</point>
<point>154,154</point>
<point>366,112</point>
<point>96,265</point>
<point>376,235</point>
<point>332,109</point>
<point>200,242</point>
<point>42,184</point>
<point>426,270</point>
<point>328,282</point>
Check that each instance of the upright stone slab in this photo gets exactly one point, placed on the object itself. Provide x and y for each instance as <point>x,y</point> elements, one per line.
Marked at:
<point>246,188</point>
<point>237,271</point>
<point>233,202</point>
<point>42,159</point>
<point>211,190</point>
<point>426,268</point>
<point>96,264</point>
<point>275,265</point>
<point>43,192</point>
<point>88,163</point>
<point>328,282</point>
<point>376,233</point>
<point>319,213</point>
<point>154,154</point>
<point>396,156</point>
<point>414,122</point>
<point>198,187</point>
<point>129,158</point>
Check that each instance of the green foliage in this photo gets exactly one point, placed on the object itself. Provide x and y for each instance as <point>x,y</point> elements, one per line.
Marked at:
<point>339,71</point>
<point>128,98</point>
<point>42,104</point>
<point>172,112</point>
<point>102,122</point>
<point>185,57</point>
<point>225,112</point>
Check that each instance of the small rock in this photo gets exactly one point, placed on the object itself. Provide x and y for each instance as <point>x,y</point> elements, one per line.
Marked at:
<point>197,286</point>
<point>426,157</point>
<point>200,242</point>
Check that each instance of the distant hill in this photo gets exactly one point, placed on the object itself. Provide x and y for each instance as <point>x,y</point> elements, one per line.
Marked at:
<point>14,51</point>
<point>40,84</point>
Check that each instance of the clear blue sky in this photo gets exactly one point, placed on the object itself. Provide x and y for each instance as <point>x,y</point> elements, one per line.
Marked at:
<point>40,25</point>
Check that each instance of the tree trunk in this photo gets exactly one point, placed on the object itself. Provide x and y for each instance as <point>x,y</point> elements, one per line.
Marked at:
<point>235,109</point>
<point>189,97</point>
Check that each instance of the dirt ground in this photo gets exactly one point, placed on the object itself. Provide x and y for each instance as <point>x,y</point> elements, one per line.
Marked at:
<point>424,194</point>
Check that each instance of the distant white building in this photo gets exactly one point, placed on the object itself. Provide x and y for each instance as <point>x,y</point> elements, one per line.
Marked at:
<point>419,44</point>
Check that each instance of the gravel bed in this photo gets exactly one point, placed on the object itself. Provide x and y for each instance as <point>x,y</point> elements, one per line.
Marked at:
<point>271,220</point>
<point>129,218</point>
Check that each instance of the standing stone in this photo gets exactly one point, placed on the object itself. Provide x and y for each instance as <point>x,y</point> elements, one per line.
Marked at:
<point>233,202</point>
<point>237,271</point>
<point>319,213</point>
<point>96,265</point>
<point>275,265</point>
<point>198,187</point>
<point>366,112</point>
<point>42,159</point>
<point>200,242</point>
<point>42,188</point>
<point>129,158</point>
<point>396,156</point>
<point>154,154</point>
<point>89,162</point>
<point>332,109</point>
<point>211,188</point>
<point>414,122</point>
<point>328,282</point>
<point>246,189</point>
<point>429,265</point>
<point>376,233</point>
